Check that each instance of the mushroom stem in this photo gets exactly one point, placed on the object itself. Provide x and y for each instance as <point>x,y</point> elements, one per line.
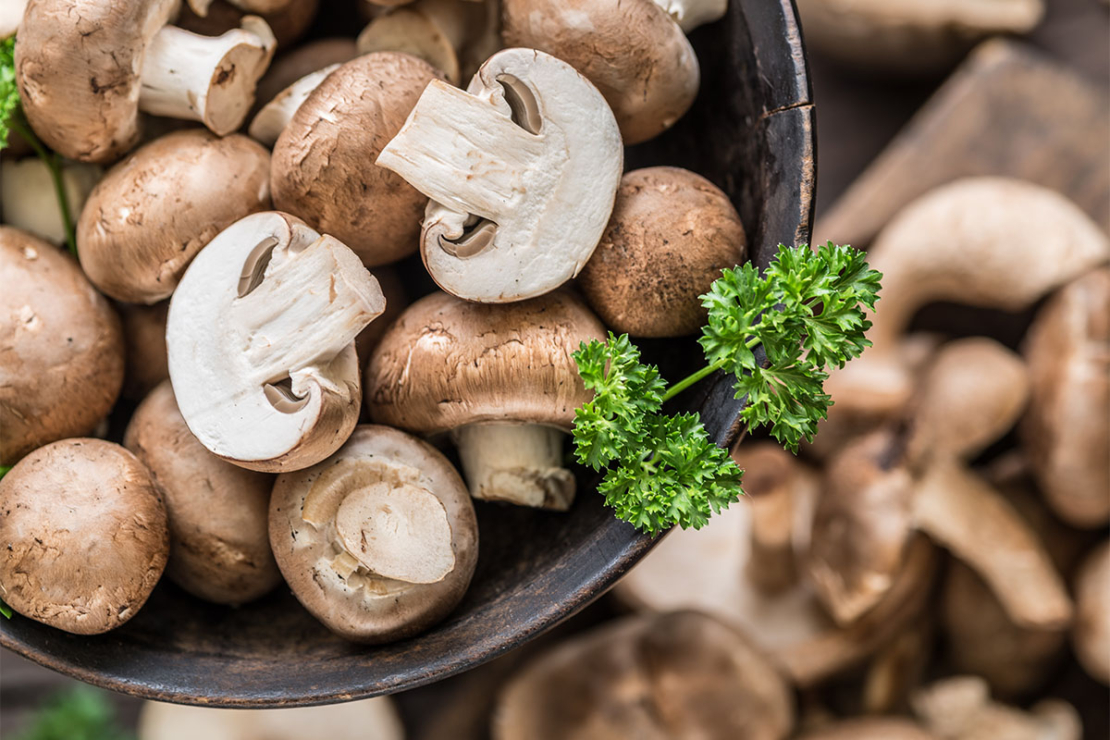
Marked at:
<point>689,14</point>
<point>275,115</point>
<point>514,462</point>
<point>203,78</point>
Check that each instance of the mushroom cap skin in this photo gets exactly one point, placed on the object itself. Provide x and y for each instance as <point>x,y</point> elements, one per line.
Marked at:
<point>681,676</point>
<point>144,332</point>
<point>1066,432</point>
<point>85,536</point>
<point>670,235</point>
<point>79,81</point>
<point>303,60</point>
<point>370,609</point>
<point>260,338</point>
<point>1091,632</point>
<point>446,363</point>
<point>133,249</point>
<point>871,728</point>
<point>61,347</point>
<point>323,163</point>
<point>289,24</point>
<point>218,512</point>
<point>634,52</point>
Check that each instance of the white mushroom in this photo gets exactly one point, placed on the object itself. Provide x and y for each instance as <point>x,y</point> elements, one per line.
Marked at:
<point>522,170</point>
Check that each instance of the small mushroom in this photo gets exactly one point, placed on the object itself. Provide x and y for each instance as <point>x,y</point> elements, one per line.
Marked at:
<point>500,378</point>
<point>367,719</point>
<point>144,336</point>
<point>289,24</point>
<point>1091,633</point>
<point>61,349</point>
<point>682,675</point>
<point>633,50</point>
<point>871,728</point>
<point>670,235</point>
<point>29,202</point>
<point>1066,433</point>
<point>219,543</point>
<point>379,541</point>
<point>960,708</point>
<point>84,533</point>
<point>260,338</point>
<point>522,170</point>
<point>86,68</point>
<point>154,211</point>
<point>323,164</point>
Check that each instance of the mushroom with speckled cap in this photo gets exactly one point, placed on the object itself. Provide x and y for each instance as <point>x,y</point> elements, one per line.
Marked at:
<point>85,538</point>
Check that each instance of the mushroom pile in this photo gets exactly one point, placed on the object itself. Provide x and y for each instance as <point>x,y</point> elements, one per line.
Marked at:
<point>224,381</point>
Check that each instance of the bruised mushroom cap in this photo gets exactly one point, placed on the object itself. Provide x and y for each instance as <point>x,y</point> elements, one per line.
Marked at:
<point>446,363</point>
<point>673,675</point>
<point>260,337</point>
<point>1091,633</point>
<point>1067,429</point>
<point>367,719</point>
<point>871,728</point>
<point>522,169</point>
<point>153,212</point>
<point>219,537</point>
<point>323,163</point>
<point>61,348</point>
<point>670,235</point>
<point>85,536</point>
<point>384,499</point>
<point>144,332</point>
<point>634,52</point>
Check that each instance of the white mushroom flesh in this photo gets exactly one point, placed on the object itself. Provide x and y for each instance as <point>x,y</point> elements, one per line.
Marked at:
<point>689,14</point>
<point>517,463</point>
<point>11,15</point>
<point>27,196</point>
<point>275,115</point>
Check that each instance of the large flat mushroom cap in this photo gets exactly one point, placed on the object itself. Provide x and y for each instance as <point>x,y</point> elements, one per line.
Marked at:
<point>85,536</point>
<point>447,362</point>
<point>323,162</point>
<point>77,66</point>
<point>61,347</point>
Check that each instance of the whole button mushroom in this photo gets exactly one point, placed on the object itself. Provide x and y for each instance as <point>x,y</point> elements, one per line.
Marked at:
<point>84,534</point>
<point>323,166</point>
<point>500,378</point>
<point>61,348</point>
<point>670,235</point>
<point>260,338</point>
<point>219,537</point>
<point>1091,633</point>
<point>379,541</point>
<point>522,169</point>
<point>86,68</point>
<point>154,211</point>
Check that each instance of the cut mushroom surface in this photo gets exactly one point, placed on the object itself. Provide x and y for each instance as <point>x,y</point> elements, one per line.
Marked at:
<point>85,536</point>
<point>522,170</point>
<point>260,337</point>
<point>379,541</point>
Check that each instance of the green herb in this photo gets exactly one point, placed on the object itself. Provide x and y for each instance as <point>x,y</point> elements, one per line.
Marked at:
<point>82,713</point>
<point>5,610</point>
<point>806,312</point>
<point>9,93</point>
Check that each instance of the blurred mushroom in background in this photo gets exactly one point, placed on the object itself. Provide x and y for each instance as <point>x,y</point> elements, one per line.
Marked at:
<point>960,708</point>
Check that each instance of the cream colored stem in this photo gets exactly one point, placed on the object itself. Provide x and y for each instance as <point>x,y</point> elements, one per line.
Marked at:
<point>517,463</point>
<point>772,567</point>
<point>275,115</point>
<point>689,14</point>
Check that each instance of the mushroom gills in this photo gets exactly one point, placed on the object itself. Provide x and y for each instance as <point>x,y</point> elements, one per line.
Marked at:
<point>515,462</point>
<point>478,235</point>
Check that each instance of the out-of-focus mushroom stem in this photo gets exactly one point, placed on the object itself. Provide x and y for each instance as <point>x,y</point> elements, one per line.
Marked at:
<point>276,115</point>
<point>518,463</point>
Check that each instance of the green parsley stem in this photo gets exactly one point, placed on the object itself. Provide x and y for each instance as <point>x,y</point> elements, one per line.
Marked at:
<point>706,371</point>
<point>53,163</point>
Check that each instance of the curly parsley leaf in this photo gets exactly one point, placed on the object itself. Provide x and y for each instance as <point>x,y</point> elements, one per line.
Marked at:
<point>9,92</point>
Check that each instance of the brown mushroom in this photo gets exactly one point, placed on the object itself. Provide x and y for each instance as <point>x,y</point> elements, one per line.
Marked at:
<point>670,235</point>
<point>960,708</point>
<point>219,543</point>
<point>289,24</point>
<point>84,534</point>
<point>499,377</point>
<point>379,541</point>
<point>144,335</point>
<point>680,676</point>
<point>1091,633</point>
<point>61,348</point>
<point>153,212</point>
<point>870,728</point>
<point>323,165</point>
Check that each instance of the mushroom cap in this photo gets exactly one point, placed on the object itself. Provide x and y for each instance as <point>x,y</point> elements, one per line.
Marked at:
<point>412,32</point>
<point>670,235</point>
<point>144,332</point>
<point>153,212</point>
<point>218,512</point>
<point>323,164</point>
<point>635,54</point>
<point>84,533</point>
<point>288,24</point>
<point>362,606</point>
<point>366,719</point>
<point>260,338</point>
<point>446,363</point>
<point>77,65</point>
<point>680,675</point>
<point>61,348</point>
<point>301,61</point>
<point>871,728</point>
<point>1091,632</point>
<point>1067,429</point>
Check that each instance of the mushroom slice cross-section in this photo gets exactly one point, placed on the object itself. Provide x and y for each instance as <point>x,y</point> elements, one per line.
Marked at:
<point>260,338</point>
<point>522,169</point>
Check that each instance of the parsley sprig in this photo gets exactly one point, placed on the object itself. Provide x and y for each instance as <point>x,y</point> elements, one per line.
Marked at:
<point>805,311</point>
